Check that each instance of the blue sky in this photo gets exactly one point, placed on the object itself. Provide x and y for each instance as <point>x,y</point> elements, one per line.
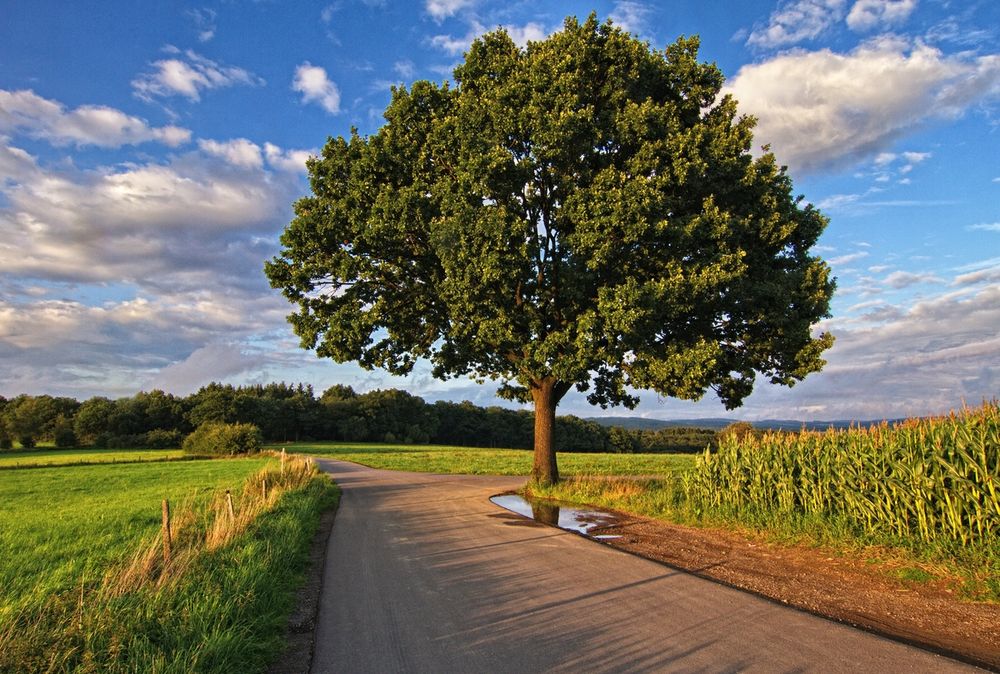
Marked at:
<point>150,153</point>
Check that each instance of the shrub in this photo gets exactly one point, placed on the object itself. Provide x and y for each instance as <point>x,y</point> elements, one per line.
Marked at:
<point>64,436</point>
<point>26,441</point>
<point>5,441</point>
<point>220,439</point>
<point>163,439</point>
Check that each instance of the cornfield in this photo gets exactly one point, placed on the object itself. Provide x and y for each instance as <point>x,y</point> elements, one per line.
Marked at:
<point>934,479</point>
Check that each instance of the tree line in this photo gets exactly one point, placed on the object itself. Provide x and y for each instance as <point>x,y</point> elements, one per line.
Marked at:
<point>293,412</point>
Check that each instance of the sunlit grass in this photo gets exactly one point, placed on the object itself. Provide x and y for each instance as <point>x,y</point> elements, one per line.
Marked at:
<point>63,525</point>
<point>84,587</point>
<point>60,457</point>
<point>485,461</point>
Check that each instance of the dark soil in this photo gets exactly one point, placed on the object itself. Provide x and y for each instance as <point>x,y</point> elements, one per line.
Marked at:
<point>846,589</point>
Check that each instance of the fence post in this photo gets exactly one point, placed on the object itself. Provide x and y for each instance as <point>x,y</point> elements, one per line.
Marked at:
<point>263,487</point>
<point>282,462</point>
<point>229,505</point>
<point>166,532</point>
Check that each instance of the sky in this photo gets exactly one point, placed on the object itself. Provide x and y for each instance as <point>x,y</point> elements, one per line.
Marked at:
<point>150,153</point>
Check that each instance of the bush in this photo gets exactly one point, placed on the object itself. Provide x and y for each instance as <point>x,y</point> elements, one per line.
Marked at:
<point>220,439</point>
<point>64,436</point>
<point>5,441</point>
<point>163,439</point>
<point>26,441</point>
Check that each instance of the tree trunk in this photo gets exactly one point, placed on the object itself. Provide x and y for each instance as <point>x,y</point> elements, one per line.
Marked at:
<point>546,393</point>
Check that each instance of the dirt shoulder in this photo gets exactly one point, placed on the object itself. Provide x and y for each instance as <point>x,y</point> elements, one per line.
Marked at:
<point>844,589</point>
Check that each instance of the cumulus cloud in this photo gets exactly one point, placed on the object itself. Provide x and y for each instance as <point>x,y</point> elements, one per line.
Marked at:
<point>986,227</point>
<point>292,161</point>
<point>819,109</point>
<point>238,152</point>
<point>529,32</point>
<point>188,74</point>
<point>37,117</point>
<point>15,164</point>
<point>797,21</point>
<point>442,9</point>
<point>187,223</point>
<point>71,348</point>
<point>213,362</point>
<point>314,85</point>
<point>871,14</point>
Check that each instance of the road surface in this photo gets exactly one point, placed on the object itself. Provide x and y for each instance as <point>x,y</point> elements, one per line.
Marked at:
<point>424,574</point>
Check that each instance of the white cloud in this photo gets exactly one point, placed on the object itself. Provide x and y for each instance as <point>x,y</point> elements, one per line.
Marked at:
<point>529,32</point>
<point>442,9</point>
<point>631,16</point>
<point>15,164</point>
<point>797,21</point>
<point>405,69</point>
<point>822,108</point>
<point>986,226</point>
<point>871,14</point>
<point>183,224</point>
<point>457,45</point>
<point>292,161</point>
<point>314,85</point>
<point>904,279</point>
<point>213,362</point>
<point>204,23</point>
<point>846,259</point>
<point>28,113</point>
<point>238,152</point>
<point>188,74</point>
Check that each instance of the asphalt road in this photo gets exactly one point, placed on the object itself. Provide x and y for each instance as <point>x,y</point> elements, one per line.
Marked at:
<point>424,574</point>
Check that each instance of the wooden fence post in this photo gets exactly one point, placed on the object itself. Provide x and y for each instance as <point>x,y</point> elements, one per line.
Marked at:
<point>229,505</point>
<point>263,487</point>
<point>166,532</point>
<point>282,461</point>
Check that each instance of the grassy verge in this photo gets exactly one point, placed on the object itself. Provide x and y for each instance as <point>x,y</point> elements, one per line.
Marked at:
<point>481,461</point>
<point>69,457</point>
<point>88,589</point>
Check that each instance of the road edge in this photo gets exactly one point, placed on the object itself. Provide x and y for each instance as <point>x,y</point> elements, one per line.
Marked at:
<point>300,630</point>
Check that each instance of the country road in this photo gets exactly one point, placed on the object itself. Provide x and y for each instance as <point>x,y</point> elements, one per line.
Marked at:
<point>424,574</point>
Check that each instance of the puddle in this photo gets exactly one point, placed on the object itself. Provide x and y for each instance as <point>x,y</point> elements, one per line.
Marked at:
<point>584,522</point>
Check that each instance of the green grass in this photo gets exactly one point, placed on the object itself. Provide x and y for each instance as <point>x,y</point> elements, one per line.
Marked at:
<point>63,457</point>
<point>70,533</point>
<point>62,525</point>
<point>483,461</point>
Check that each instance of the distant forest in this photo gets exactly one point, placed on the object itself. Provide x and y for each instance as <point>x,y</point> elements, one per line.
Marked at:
<point>292,412</point>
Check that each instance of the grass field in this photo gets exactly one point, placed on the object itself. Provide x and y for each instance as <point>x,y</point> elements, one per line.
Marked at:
<point>482,461</point>
<point>68,532</point>
<point>64,457</point>
<point>63,525</point>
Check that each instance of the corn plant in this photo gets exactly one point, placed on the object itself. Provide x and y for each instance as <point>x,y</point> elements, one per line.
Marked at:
<point>935,479</point>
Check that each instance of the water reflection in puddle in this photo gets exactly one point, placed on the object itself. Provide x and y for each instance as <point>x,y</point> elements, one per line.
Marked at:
<point>571,519</point>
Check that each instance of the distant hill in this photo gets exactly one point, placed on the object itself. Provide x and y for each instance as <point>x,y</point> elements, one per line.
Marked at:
<point>641,423</point>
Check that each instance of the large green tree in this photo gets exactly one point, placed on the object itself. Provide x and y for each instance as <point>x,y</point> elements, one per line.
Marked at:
<point>583,212</point>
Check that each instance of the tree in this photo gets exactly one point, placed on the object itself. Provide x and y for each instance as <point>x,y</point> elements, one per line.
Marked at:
<point>584,212</point>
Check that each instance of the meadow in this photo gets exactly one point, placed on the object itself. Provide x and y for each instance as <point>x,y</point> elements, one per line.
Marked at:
<point>481,461</point>
<point>86,456</point>
<point>84,584</point>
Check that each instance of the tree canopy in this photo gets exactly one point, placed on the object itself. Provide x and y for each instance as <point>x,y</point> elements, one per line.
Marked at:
<point>583,212</point>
